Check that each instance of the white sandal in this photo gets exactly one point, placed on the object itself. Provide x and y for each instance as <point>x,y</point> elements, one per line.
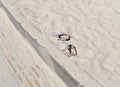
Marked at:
<point>60,35</point>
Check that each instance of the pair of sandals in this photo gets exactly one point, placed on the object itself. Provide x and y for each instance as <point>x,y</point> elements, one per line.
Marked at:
<point>71,49</point>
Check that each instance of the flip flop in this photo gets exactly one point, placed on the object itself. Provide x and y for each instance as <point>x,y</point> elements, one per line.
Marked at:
<point>60,35</point>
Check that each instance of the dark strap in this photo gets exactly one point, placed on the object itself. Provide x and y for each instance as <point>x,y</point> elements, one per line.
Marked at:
<point>61,35</point>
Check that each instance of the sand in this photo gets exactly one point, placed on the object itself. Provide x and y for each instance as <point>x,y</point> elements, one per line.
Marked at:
<point>24,62</point>
<point>94,29</point>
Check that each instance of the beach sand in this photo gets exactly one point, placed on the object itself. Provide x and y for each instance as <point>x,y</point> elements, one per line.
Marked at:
<point>94,29</point>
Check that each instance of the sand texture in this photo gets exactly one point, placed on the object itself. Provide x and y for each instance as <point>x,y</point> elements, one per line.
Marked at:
<point>94,29</point>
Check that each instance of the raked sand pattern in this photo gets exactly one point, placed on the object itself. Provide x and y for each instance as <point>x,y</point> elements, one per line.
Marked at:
<point>26,65</point>
<point>32,54</point>
<point>7,79</point>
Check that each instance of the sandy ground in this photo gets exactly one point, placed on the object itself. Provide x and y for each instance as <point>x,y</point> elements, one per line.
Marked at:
<point>7,79</point>
<point>94,29</point>
<point>25,64</point>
